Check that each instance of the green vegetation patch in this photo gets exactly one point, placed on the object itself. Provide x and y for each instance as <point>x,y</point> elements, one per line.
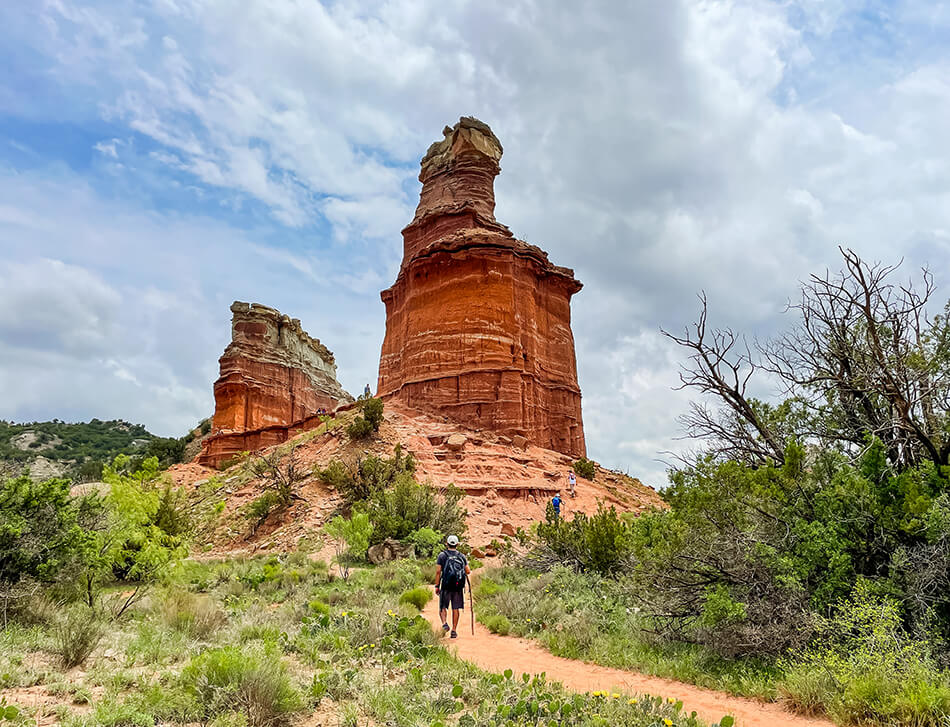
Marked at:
<point>294,639</point>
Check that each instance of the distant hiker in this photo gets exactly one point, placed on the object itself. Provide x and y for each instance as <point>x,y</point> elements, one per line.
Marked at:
<point>556,504</point>
<point>367,392</point>
<point>450,577</point>
<point>572,483</point>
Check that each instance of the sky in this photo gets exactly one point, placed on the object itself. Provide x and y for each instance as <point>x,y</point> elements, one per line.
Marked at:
<point>162,158</point>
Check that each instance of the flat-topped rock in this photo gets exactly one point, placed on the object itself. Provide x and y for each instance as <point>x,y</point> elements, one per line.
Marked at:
<point>273,374</point>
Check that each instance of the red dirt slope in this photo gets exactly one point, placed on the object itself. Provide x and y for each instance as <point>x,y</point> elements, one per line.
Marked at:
<point>506,486</point>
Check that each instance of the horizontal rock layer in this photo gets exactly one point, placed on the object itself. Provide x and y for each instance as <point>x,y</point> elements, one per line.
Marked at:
<point>478,323</point>
<point>272,375</point>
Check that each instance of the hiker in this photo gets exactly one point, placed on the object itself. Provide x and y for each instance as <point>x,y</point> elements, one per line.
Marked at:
<point>572,483</point>
<point>366,392</point>
<point>556,504</point>
<point>450,577</point>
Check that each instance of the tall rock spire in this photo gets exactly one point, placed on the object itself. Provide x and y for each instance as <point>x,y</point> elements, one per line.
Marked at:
<point>458,185</point>
<point>478,323</point>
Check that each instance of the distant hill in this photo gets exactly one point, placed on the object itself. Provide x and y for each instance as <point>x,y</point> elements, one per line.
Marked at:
<point>62,441</point>
<point>78,450</point>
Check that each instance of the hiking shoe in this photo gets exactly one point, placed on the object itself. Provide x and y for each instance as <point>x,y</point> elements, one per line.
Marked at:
<point>454,635</point>
<point>445,627</point>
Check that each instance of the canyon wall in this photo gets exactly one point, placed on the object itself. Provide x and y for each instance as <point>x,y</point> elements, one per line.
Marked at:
<point>478,323</point>
<point>273,378</point>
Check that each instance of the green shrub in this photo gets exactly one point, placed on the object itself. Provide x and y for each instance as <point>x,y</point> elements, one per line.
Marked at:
<point>253,682</point>
<point>583,467</point>
<point>426,540</point>
<point>373,412</point>
<point>260,507</point>
<point>369,419</point>
<point>193,614</point>
<point>8,713</point>
<point>43,531</point>
<point>486,588</point>
<point>418,597</point>
<point>111,712</point>
<point>865,668</point>
<point>76,635</point>
<point>396,576</point>
<point>497,624</point>
<point>318,607</point>
<point>370,474</point>
<point>601,542</point>
<point>168,451</point>
<point>359,428</point>
<point>408,506</point>
<point>351,538</point>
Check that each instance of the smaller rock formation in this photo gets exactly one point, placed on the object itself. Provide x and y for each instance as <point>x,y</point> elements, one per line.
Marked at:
<point>274,378</point>
<point>273,372</point>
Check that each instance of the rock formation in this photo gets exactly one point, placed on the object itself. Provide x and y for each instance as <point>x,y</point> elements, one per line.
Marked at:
<point>273,376</point>
<point>478,323</point>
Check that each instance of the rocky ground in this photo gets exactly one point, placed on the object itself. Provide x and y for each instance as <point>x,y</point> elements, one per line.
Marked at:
<point>507,483</point>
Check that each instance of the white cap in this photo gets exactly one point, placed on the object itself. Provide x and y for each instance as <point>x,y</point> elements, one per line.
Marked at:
<point>452,540</point>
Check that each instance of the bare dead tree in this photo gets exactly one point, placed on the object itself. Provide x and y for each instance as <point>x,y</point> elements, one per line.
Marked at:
<point>865,360</point>
<point>721,364</point>
<point>281,475</point>
<point>868,361</point>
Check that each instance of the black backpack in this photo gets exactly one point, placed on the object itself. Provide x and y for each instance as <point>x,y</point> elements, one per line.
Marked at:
<point>453,572</point>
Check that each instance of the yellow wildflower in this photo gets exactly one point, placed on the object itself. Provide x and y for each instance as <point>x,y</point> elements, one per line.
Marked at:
<point>668,722</point>
<point>671,700</point>
<point>632,701</point>
<point>615,695</point>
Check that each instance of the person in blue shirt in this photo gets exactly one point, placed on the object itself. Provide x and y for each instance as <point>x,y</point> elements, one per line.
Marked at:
<point>556,503</point>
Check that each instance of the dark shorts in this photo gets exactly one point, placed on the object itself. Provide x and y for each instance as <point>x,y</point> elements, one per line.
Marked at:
<point>456,598</point>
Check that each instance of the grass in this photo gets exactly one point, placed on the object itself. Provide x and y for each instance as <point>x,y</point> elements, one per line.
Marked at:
<point>585,617</point>
<point>293,639</point>
<point>874,680</point>
<point>76,634</point>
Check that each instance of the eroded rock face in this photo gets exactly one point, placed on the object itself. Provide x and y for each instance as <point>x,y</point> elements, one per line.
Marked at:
<point>273,376</point>
<point>478,323</point>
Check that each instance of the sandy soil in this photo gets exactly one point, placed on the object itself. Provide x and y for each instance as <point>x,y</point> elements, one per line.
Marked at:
<point>497,653</point>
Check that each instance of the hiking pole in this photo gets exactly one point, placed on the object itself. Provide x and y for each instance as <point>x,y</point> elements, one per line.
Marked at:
<point>471,602</point>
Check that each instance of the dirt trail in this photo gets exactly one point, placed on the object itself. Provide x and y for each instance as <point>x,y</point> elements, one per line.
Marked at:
<point>497,653</point>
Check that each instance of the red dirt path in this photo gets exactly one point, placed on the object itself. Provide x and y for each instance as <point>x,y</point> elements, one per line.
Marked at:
<point>497,653</point>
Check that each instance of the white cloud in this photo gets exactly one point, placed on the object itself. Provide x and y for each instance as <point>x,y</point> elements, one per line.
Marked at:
<point>48,305</point>
<point>658,148</point>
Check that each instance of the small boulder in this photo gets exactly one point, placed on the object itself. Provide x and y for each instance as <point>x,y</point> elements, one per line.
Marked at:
<point>519,441</point>
<point>455,442</point>
<point>389,550</point>
<point>508,529</point>
<point>476,553</point>
<point>90,488</point>
<point>493,521</point>
<point>490,552</point>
